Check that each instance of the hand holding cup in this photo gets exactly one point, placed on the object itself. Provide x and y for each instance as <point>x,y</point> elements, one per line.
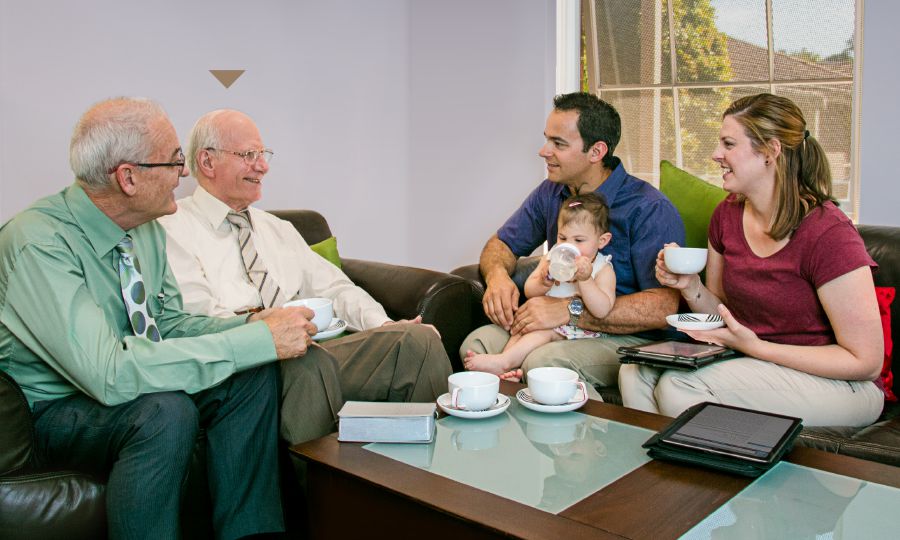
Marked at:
<point>677,267</point>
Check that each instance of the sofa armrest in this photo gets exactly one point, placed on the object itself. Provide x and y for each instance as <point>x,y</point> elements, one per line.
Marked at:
<point>60,504</point>
<point>524,267</point>
<point>443,300</point>
<point>16,436</point>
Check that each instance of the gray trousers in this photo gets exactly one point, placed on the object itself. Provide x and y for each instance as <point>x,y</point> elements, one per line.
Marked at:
<point>398,362</point>
<point>595,360</point>
<point>754,384</point>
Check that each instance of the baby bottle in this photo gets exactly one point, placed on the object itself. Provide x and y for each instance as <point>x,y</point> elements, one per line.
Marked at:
<point>562,262</point>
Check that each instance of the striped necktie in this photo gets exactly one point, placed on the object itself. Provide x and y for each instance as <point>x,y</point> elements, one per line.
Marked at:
<point>269,291</point>
<point>133,292</point>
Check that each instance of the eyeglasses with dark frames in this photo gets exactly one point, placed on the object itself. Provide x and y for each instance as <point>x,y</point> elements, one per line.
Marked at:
<point>250,156</point>
<point>180,164</point>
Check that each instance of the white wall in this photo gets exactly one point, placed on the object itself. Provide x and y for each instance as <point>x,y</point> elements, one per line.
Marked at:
<point>879,174</point>
<point>482,81</point>
<point>413,125</point>
<point>327,82</point>
<point>386,116</point>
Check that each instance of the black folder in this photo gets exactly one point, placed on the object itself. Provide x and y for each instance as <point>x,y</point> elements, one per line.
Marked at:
<point>723,437</point>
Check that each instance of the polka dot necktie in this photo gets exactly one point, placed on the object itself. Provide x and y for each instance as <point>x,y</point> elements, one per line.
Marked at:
<point>269,291</point>
<point>133,292</point>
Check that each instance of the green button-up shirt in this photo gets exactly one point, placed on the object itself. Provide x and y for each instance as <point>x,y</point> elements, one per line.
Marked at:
<point>63,323</point>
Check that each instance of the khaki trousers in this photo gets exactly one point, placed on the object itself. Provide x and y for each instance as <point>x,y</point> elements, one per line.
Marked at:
<point>754,384</point>
<point>595,360</point>
<point>402,362</point>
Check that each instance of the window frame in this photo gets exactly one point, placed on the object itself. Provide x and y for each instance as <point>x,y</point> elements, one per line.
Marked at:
<point>592,66</point>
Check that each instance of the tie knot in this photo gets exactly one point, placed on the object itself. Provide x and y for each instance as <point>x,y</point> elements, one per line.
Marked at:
<point>125,245</point>
<point>239,219</point>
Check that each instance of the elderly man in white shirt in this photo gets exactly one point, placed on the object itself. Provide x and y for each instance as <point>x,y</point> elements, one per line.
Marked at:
<point>210,258</point>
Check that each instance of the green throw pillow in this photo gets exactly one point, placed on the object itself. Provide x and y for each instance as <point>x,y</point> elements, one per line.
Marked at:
<point>328,250</point>
<point>694,199</point>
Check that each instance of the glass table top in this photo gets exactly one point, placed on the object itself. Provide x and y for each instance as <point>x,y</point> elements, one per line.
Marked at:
<point>792,501</point>
<point>547,461</point>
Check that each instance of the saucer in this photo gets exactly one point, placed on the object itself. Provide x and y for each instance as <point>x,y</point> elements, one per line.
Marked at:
<point>524,397</point>
<point>495,409</point>
<point>701,324</point>
<point>336,327</point>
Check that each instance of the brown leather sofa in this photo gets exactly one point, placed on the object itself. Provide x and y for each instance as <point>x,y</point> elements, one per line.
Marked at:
<point>40,501</point>
<point>878,442</point>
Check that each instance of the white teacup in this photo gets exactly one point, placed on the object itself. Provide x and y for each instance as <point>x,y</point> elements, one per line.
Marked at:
<point>682,260</point>
<point>553,385</point>
<point>322,308</point>
<point>473,390</point>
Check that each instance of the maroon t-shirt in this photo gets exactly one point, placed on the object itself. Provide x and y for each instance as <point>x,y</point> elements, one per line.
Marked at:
<point>776,296</point>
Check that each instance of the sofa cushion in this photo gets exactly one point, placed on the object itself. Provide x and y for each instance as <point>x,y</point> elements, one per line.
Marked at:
<point>694,199</point>
<point>328,250</point>
<point>885,297</point>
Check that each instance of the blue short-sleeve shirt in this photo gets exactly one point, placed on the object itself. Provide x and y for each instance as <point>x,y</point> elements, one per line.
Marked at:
<point>642,220</point>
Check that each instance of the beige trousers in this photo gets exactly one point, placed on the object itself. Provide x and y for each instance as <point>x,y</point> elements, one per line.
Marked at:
<point>754,384</point>
<point>403,362</point>
<point>595,360</point>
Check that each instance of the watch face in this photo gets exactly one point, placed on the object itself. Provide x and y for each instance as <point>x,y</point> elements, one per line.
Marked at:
<point>576,306</point>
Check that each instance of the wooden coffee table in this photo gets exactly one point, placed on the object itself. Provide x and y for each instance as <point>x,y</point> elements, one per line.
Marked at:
<point>354,492</point>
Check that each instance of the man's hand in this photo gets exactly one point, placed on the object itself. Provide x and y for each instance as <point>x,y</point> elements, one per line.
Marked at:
<point>501,300</point>
<point>540,313</point>
<point>291,330</point>
<point>417,320</point>
<point>501,296</point>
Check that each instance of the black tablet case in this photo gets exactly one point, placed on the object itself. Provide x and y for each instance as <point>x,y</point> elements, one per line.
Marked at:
<point>658,448</point>
<point>632,355</point>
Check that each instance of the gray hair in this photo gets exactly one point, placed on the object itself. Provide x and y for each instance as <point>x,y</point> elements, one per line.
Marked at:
<point>110,133</point>
<point>206,133</point>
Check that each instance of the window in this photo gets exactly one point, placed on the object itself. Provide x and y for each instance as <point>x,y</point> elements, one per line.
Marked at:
<point>671,67</point>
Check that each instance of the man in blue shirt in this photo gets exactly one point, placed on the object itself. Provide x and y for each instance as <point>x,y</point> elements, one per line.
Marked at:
<point>581,134</point>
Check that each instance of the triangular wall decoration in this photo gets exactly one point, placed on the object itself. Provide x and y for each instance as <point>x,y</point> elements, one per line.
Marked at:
<point>227,76</point>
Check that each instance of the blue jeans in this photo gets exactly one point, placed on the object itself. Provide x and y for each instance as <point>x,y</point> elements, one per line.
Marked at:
<point>145,447</point>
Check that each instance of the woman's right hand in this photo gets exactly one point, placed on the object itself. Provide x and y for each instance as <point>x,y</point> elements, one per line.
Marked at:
<point>670,279</point>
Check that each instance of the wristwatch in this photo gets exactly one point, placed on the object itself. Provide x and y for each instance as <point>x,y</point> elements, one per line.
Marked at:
<point>576,308</point>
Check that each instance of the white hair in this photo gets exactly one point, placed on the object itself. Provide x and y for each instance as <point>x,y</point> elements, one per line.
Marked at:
<point>110,133</point>
<point>205,134</point>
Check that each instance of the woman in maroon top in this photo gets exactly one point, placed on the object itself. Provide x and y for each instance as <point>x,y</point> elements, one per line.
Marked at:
<point>795,276</point>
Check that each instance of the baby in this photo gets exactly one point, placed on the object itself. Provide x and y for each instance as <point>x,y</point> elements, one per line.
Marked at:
<point>584,223</point>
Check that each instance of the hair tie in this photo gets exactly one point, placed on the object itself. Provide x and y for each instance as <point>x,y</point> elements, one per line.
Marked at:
<point>805,134</point>
<point>573,204</point>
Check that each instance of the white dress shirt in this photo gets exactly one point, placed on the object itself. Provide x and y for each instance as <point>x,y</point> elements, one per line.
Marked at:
<point>202,247</point>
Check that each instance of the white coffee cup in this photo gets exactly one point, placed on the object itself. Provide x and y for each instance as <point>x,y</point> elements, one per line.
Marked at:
<point>682,260</point>
<point>473,390</point>
<point>553,385</point>
<point>323,310</point>
<point>562,262</point>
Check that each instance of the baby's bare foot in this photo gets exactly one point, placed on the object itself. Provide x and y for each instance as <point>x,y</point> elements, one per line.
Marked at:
<point>514,375</point>
<point>490,363</point>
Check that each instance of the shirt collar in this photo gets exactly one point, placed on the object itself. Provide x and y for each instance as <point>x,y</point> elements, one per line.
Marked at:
<point>102,233</point>
<point>210,208</point>
<point>609,188</point>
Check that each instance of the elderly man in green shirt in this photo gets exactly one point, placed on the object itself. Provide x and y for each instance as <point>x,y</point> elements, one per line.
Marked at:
<point>119,378</point>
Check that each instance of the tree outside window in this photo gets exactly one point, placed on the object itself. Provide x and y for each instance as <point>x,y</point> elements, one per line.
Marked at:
<point>672,66</point>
